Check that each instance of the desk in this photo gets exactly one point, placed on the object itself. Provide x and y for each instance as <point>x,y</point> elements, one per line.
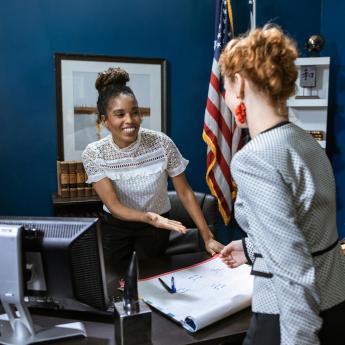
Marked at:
<point>164,331</point>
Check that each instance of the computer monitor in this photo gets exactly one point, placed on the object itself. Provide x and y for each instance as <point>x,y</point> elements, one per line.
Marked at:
<point>63,260</point>
<point>58,260</point>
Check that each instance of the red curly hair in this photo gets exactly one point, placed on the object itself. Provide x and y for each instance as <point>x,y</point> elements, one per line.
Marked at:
<point>265,57</point>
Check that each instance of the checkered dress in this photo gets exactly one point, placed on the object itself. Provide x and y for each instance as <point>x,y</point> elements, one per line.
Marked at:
<point>286,204</point>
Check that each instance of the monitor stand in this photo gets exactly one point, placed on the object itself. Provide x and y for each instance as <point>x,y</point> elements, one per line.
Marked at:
<point>16,325</point>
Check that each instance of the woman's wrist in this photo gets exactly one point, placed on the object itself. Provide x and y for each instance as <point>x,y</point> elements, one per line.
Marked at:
<point>144,217</point>
<point>207,235</point>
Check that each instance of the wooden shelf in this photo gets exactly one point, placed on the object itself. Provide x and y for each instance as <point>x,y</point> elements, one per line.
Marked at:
<point>307,112</point>
<point>311,61</point>
<point>83,206</point>
<point>58,200</point>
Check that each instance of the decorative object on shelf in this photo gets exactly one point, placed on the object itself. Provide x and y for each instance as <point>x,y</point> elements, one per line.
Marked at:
<point>308,76</point>
<point>318,135</point>
<point>76,96</point>
<point>314,44</point>
<point>307,81</point>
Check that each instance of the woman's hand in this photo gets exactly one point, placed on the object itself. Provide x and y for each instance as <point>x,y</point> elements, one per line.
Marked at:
<point>212,246</point>
<point>233,254</point>
<point>164,223</point>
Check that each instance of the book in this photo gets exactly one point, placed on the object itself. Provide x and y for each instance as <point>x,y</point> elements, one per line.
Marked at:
<point>71,179</point>
<point>63,175</point>
<point>205,293</point>
<point>58,176</point>
<point>72,166</point>
<point>80,179</point>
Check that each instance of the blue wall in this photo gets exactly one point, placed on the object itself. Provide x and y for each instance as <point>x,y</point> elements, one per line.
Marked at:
<point>31,31</point>
<point>180,31</point>
<point>300,19</point>
<point>331,28</point>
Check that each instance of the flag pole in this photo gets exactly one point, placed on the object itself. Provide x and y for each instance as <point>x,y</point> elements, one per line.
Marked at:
<point>253,14</point>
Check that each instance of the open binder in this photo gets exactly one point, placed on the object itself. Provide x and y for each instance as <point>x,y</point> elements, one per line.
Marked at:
<point>205,293</point>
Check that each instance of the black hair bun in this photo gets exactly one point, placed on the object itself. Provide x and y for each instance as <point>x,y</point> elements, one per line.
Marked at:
<point>113,76</point>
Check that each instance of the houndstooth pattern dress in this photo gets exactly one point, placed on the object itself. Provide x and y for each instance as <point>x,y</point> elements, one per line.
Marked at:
<point>286,204</point>
<point>138,172</point>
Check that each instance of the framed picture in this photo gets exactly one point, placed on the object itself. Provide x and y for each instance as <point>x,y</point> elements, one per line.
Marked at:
<point>76,96</point>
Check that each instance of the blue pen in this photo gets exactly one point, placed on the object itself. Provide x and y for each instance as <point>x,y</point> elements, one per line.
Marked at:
<point>166,287</point>
<point>173,287</point>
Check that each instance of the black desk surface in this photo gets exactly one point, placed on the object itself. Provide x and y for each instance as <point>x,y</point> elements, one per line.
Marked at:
<point>164,331</point>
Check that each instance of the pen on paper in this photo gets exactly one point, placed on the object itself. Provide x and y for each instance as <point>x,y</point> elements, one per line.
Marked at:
<point>166,286</point>
<point>173,287</point>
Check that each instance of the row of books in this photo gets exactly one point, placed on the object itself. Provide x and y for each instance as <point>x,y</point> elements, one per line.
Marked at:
<point>71,180</point>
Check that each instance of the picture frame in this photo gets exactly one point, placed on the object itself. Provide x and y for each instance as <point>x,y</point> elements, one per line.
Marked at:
<point>76,97</point>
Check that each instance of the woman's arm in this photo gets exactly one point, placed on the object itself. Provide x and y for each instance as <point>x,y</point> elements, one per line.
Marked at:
<point>187,197</point>
<point>107,194</point>
<point>233,254</point>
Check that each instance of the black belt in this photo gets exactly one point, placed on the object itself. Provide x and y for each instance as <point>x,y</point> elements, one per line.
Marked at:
<point>317,253</point>
<point>270,275</point>
<point>323,251</point>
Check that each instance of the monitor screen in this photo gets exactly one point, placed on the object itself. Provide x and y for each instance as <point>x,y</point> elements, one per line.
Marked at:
<point>63,262</point>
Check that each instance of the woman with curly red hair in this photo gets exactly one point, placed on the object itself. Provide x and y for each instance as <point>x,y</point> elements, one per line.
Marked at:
<point>285,202</point>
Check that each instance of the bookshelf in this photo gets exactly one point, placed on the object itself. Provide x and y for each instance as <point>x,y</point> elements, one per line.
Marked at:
<point>308,109</point>
<point>82,206</point>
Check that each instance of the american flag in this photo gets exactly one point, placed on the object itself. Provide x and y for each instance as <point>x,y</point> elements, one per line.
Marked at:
<point>222,136</point>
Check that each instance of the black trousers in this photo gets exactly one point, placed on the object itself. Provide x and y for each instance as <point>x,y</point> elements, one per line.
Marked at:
<point>264,329</point>
<point>121,238</point>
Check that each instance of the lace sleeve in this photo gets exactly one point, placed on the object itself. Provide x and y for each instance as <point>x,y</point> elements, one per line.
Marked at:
<point>91,164</point>
<point>176,163</point>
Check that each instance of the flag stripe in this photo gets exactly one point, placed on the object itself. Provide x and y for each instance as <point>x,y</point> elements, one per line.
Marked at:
<point>221,199</point>
<point>219,156</point>
<point>222,125</point>
<point>217,99</point>
<point>220,141</point>
<point>215,83</point>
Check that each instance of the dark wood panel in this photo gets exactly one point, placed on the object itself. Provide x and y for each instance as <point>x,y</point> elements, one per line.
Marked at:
<point>82,206</point>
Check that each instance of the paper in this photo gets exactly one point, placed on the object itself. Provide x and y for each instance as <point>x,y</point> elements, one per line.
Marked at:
<point>205,293</point>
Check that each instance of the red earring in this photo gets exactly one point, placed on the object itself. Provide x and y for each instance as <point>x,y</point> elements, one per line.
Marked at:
<point>240,113</point>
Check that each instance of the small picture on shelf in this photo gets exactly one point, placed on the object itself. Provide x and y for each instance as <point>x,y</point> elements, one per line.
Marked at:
<point>308,76</point>
<point>307,82</point>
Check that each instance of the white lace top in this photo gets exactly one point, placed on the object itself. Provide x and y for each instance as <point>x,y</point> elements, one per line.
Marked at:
<point>139,172</point>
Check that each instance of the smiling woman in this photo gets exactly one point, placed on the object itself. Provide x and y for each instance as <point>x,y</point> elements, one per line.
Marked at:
<point>124,119</point>
<point>129,170</point>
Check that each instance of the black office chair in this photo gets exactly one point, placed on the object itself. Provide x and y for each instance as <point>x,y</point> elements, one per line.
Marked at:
<point>191,242</point>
